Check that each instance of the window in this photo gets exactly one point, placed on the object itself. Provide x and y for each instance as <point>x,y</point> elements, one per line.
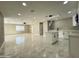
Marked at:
<point>19,28</point>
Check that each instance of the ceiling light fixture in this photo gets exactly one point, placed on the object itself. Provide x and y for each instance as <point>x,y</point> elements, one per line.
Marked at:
<point>24,4</point>
<point>69,12</point>
<point>19,14</point>
<point>65,2</point>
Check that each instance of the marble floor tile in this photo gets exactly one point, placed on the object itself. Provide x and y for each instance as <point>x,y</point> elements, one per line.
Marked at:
<point>34,47</point>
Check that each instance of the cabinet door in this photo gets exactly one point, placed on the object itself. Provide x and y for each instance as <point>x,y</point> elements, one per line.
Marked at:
<point>74,49</point>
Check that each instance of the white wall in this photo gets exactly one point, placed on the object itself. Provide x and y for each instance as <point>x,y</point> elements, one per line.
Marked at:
<point>64,24</point>
<point>35,27</point>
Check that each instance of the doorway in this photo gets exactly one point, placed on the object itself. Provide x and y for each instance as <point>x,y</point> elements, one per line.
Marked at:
<point>41,28</point>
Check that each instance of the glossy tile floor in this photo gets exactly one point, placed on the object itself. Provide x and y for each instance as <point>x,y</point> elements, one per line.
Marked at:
<point>34,46</point>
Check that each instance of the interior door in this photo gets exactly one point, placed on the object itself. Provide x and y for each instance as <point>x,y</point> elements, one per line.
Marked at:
<point>41,28</point>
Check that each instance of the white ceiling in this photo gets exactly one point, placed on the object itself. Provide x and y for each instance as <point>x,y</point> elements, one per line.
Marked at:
<point>10,9</point>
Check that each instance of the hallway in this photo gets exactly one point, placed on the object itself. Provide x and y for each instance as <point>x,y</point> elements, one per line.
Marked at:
<point>39,29</point>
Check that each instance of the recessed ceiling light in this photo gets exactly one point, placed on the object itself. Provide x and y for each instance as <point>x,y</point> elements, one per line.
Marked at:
<point>24,4</point>
<point>69,12</point>
<point>65,2</point>
<point>19,14</point>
